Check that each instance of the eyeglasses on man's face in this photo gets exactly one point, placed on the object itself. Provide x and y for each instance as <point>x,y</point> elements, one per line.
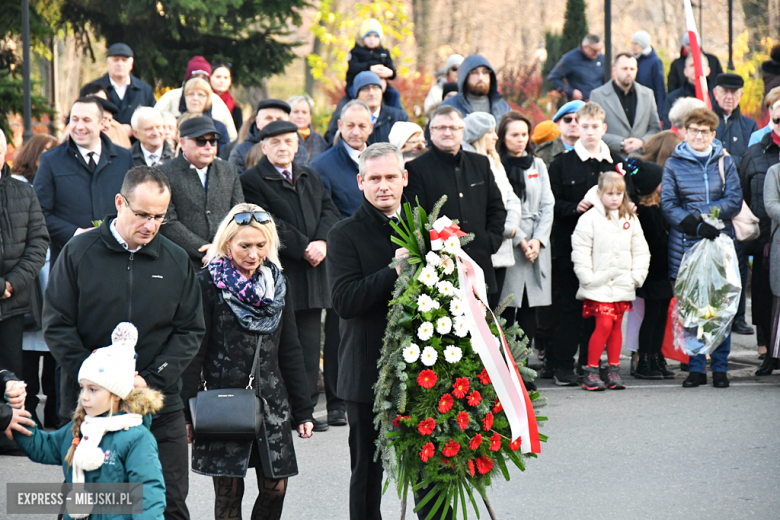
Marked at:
<point>160,219</point>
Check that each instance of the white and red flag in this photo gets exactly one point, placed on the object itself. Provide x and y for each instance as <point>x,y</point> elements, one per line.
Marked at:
<point>702,91</point>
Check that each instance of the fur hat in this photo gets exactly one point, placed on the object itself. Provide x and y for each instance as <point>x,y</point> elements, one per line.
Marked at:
<point>544,132</point>
<point>113,367</point>
<point>372,25</point>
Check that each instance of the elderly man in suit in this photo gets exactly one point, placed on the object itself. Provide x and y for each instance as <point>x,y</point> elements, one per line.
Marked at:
<point>203,189</point>
<point>150,148</point>
<point>632,115</point>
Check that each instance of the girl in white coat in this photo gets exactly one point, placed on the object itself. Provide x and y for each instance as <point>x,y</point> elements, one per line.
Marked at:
<point>611,259</point>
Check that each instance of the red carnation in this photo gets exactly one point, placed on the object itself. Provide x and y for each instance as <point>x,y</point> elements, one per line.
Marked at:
<point>427,378</point>
<point>498,407</point>
<point>445,403</point>
<point>514,446</point>
<point>397,421</point>
<point>471,467</point>
<point>451,448</point>
<point>426,426</point>
<point>428,451</point>
<point>495,442</point>
<point>461,387</point>
<point>488,421</point>
<point>474,398</point>
<point>463,420</point>
<point>475,441</point>
<point>484,464</point>
<point>484,378</point>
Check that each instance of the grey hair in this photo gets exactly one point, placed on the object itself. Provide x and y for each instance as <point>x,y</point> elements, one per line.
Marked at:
<point>376,151</point>
<point>165,113</point>
<point>353,103</point>
<point>591,39</point>
<point>143,113</point>
<point>3,142</point>
<point>294,100</point>
<point>681,108</point>
<point>447,110</point>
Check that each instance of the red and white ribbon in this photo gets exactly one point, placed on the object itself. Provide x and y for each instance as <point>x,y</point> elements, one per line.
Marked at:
<point>443,229</point>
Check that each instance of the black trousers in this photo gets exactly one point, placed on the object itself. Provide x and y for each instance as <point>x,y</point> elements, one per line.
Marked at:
<point>761,295</point>
<point>170,431</point>
<point>525,316</point>
<point>365,484</point>
<point>309,322</point>
<point>572,331</point>
<point>330,360</point>
<point>744,274</point>
<point>653,328</point>
<point>11,336</point>
<point>494,297</point>
<point>36,381</point>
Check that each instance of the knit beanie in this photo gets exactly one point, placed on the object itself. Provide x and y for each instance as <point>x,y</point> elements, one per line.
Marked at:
<point>645,175</point>
<point>401,132</point>
<point>641,38</point>
<point>364,79</point>
<point>455,60</point>
<point>198,64</point>
<point>477,125</point>
<point>372,25</point>
<point>448,87</point>
<point>113,367</point>
<point>544,132</point>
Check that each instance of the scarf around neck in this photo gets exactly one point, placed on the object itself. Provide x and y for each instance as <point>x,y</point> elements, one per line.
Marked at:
<point>515,170</point>
<point>228,99</point>
<point>257,302</point>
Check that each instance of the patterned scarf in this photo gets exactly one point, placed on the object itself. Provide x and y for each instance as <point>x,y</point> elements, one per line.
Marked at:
<point>257,303</point>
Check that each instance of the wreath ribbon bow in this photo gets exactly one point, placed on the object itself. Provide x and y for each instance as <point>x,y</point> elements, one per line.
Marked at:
<point>443,229</point>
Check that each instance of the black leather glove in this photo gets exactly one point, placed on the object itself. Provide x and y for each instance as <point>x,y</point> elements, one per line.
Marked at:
<point>690,223</point>
<point>707,231</point>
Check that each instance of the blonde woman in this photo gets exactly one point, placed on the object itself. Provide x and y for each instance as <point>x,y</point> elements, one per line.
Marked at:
<point>197,99</point>
<point>245,308</point>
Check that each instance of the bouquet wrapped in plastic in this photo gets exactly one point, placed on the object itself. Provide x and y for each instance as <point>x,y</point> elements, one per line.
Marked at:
<point>707,290</point>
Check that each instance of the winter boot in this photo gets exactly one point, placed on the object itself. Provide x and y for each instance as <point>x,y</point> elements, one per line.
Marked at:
<point>591,380</point>
<point>658,362</point>
<point>613,378</point>
<point>646,369</point>
<point>632,365</point>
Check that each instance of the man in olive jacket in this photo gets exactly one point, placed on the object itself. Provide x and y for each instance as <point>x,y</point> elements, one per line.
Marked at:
<point>125,271</point>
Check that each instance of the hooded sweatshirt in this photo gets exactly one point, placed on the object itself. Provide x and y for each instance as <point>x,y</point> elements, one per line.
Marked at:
<point>498,107</point>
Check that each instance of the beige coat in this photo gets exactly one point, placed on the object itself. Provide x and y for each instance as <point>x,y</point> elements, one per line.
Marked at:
<point>610,255</point>
<point>169,102</point>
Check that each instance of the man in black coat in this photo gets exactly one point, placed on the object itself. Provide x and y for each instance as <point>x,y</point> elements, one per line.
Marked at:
<point>687,88</point>
<point>466,178</point>
<point>76,181</point>
<point>150,147</point>
<point>203,189</point>
<point>304,214</point>
<point>125,90</point>
<point>125,271</point>
<point>13,416</point>
<point>677,76</point>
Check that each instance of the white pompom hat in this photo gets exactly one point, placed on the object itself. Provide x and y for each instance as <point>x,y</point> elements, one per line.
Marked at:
<point>113,367</point>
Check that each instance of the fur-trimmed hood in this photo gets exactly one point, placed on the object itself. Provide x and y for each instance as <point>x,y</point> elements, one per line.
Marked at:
<point>143,401</point>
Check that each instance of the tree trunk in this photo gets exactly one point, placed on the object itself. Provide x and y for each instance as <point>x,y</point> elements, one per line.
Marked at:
<point>774,19</point>
<point>421,17</point>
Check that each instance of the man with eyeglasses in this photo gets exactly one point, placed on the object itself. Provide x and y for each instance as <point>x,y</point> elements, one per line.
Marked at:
<point>368,89</point>
<point>203,189</point>
<point>477,89</point>
<point>580,70</point>
<point>77,180</point>
<point>126,271</point>
<point>566,119</point>
<point>473,196</point>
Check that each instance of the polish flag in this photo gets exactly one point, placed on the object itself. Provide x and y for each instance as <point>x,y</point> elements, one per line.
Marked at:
<point>702,92</point>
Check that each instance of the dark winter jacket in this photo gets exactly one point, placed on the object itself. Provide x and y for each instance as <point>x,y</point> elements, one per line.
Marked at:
<point>391,98</point>
<point>650,73</point>
<point>238,155</point>
<point>224,360</point>
<point>687,90</point>
<point>6,412</point>
<point>303,213</point>
<point>71,197</point>
<point>339,176</point>
<point>388,116</point>
<point>688,188</point>
<point>752,173</point>
<point>315,144</point>
<point>359,254</point>
<point>473,198</point>
<point>498,107</point>
<point>23,243</point>
<point>735,132</point>
<point>770,73</point>
<point>138,94</point>
<point>656,230</point>
<point>579,72</point>
<point>131,455</point>
<point>550,150</point>
<point>677,71</point>
<point>361,59</point>
<point>97,284</point>
<point>138,155</point>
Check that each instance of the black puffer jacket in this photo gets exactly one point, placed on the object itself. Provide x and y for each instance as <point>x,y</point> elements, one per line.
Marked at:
<point>23,242</point>
<point>752,172</point>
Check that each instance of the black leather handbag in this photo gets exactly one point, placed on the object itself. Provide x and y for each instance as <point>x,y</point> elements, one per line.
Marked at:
<point>228,414</point>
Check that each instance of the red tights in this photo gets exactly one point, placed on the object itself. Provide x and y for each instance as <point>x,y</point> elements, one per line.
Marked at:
<point>607,332</point>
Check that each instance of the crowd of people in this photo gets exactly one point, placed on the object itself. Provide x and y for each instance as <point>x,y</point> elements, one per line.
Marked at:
<point>230,245</point>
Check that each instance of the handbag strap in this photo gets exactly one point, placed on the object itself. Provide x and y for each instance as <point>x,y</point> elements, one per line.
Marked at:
<point>722,172</point>
<point>254,363</point>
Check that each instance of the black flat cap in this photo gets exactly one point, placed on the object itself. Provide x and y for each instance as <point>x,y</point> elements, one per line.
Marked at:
<point>274,103</point>
<point>107,105</point>
<point>120,49</point>
<point>198,127</point>
<point>278,128</point>
<point>729,80</point>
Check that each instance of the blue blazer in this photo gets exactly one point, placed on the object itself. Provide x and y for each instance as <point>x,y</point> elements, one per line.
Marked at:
<point>339,175</point>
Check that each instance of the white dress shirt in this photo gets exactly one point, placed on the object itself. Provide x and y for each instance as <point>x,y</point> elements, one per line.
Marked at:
<point>120,90</point>
<point>157,155</point>
<point>97,150</point>
<point>353,154</point>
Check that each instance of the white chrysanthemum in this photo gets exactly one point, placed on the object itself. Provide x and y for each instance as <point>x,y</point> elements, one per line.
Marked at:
<point>446,288</point>
<point>424,303</point>
<point>457,307</point>
<point>436,304</point>
<point>459,327</point>
<point>433,259</point>
<point>448,266</point>
<point>428,276</point>
<point>452,354</point>
<point>452,244</point>
<point>429,356</point>
<point>425,331</point>
<point>411,353</point>
<point>443,325</point>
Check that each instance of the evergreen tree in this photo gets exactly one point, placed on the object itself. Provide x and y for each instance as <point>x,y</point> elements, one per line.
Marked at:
<point>552,44</point>
<point>575,25</point>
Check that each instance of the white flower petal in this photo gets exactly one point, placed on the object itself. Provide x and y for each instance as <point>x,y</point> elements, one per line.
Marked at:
<point>444,325</point>
<point>433,259</point>
<point>460,328</point>
<point>424,303</point>
<point>429,356</point>
<point>425,331</point>
<point>428,276</point>
<point>457,307</point>
<point>411,353</point>
<point>453,354</point>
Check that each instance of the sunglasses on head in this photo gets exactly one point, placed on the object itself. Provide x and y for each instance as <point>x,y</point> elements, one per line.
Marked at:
<point>201,141</point>
<point>569,119</point>
<point>245,218</point>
